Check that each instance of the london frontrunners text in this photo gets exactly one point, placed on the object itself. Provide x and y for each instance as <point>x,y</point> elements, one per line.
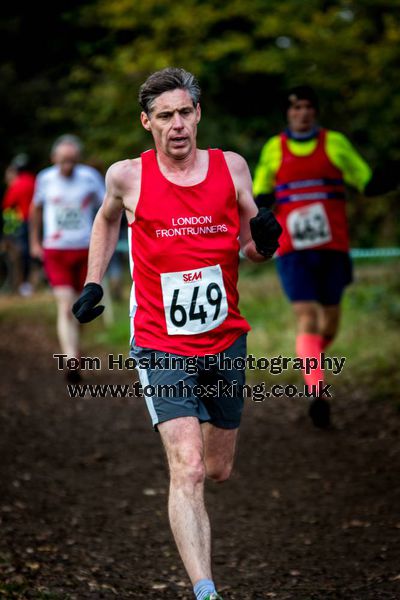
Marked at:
<point>275,365</point>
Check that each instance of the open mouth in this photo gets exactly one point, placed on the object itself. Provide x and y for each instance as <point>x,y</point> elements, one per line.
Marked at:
<point>178,140</point>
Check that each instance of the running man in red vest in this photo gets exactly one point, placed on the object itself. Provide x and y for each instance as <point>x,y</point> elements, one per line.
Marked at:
<point>304,171</point>
<point>188,212</point>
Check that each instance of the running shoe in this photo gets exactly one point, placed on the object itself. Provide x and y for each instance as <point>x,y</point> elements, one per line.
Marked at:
<point>213,596</point>
<point>320,413</point>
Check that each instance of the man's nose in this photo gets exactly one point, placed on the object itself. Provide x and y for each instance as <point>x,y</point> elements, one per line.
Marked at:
<point>177,121</point>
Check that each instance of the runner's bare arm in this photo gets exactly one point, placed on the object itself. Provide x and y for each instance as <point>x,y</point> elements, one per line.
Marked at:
<point>247,207</point>
<point>106,226</point>
<point>35,230</point>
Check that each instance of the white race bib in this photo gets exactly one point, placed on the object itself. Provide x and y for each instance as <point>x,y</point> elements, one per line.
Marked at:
<point>309,226</point>
<point>194,301</point>
<point>69,218</point>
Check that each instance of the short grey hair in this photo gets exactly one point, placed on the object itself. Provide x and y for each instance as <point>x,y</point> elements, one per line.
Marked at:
<point>166,80</point>
<point>68,138</point>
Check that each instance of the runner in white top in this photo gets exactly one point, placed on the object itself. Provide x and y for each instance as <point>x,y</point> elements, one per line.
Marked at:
<point>65,201</point>
<point>69,205</point>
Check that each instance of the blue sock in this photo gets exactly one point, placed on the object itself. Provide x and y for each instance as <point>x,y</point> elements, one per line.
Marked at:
<point>203,588</point>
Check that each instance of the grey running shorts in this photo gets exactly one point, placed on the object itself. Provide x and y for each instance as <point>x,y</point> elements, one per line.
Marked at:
<point>207,387</point>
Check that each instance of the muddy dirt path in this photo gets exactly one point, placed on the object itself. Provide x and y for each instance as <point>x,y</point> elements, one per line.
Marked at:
<point>83,489</point>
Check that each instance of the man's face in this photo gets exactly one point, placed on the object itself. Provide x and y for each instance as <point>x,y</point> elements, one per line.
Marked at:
<point>173,123</point>
<point>66,156</point>
<point>301,116</point>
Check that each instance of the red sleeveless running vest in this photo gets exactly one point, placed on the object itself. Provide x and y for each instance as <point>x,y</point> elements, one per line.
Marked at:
<point>184,253</point>
<point>310,201</point>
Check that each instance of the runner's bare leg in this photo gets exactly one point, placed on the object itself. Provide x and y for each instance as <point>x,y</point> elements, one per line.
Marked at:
<point>219,451</point>
<point>306,314</point>
<point>67,325</point>
<point>183,442</point>
<point>329,320</point>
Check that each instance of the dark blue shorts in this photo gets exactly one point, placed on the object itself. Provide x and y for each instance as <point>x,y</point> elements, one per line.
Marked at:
<point>210,393</point>
<point>315,275</point>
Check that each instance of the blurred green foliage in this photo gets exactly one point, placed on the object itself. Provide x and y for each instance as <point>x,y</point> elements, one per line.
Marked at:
<point>245,53</point>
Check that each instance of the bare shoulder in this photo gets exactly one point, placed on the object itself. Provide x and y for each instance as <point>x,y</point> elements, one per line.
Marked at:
<point>124,174</point>
<point>240,174</point>
<point>236,163</point>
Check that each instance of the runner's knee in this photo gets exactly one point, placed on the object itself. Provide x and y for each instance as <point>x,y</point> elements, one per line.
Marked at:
<point>218,472</point>
<point>188,470</point>
<point>330,321</point>
<point>306,316</point>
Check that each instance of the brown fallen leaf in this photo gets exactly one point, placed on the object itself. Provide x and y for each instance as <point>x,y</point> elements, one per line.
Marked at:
<point>313,476</point>
<point>159,586</point>
<point>355,523</point>
<point>105,586</point>
<point>307,542</point>
<point>47,548</point>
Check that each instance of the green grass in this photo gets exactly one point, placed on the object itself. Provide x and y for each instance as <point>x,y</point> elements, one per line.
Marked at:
<point>368,336</point>
<point>369,330</point>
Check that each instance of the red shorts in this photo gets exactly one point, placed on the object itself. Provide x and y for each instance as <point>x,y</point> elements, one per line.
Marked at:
<point>66,267</point>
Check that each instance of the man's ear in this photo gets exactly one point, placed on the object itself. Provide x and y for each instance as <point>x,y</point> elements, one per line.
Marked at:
<point>198,112</point>
<point>145,121</point>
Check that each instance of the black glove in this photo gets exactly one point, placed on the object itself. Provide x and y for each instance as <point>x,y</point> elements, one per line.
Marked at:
<point>265,231</point>
<point>265,200</point>
<point>85,308</point>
